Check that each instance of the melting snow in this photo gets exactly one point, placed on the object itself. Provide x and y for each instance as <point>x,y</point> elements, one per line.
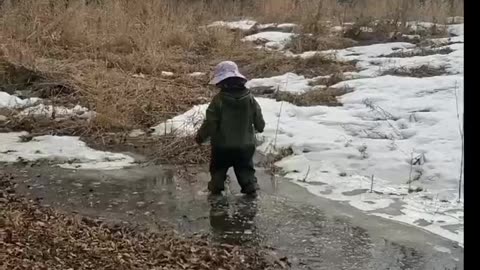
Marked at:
<point>60,111</point>
<point>184,124</point>
<point>272,39</point>
<point>12,102</point>
<point>197,74</point>
<point>241,25</point>
<point>167,73</point>
<point>68,152</point>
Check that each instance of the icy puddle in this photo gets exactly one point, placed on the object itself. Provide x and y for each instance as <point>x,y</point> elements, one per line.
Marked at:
<point>314,233</point>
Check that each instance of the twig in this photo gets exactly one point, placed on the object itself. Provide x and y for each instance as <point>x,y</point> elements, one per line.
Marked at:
<point>272,167</point>
<point>371,185</point>
<point>411,170</point>
<point>278,124</point>
<point>306,175</point>
<point>166,122</point>
<point>384,114</point>
<point>462,137</point>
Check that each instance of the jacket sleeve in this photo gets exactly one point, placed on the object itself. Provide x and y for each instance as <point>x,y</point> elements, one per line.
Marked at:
<point>258,121</point>
<point>211,122</point>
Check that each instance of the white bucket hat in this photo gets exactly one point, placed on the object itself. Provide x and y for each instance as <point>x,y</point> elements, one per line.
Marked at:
<point>224,70</point>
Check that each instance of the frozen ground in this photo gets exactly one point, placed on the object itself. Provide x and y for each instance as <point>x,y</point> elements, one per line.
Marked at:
<point>394,129</point>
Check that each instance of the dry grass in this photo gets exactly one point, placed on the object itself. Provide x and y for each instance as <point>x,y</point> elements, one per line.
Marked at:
<point>167,149</point>
<point>418,72</point>
<point>276,64</point>
<point>304,43</point>
<point>420,52</point>
<point>314,14</point>
<point>371,31</point>
<point>100,45</point>
<point>109,55</point>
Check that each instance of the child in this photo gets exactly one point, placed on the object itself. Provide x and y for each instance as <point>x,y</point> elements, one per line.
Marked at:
<point>231,120</point>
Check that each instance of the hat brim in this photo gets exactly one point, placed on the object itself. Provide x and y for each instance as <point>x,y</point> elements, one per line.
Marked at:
<point>217,79</point>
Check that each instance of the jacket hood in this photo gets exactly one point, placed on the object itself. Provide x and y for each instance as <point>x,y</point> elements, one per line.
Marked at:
<point>236,96</point>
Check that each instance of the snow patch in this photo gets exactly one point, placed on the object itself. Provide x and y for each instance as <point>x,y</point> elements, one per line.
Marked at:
<point>68,152</point>
<point>442,249</point>
<point>167,74</point>
<point>12,102</point>
<point>184,124</point>
<point>243,25</point>
<point>197,74</point>
<point>60,111</point>
<point>272,39</point>
<point>136,133</point>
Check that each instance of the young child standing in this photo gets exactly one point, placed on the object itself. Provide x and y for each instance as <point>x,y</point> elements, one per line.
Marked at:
<point>231,120</point>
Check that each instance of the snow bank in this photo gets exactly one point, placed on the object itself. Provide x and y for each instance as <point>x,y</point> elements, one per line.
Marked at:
<point>68,152</point>
<point>12,102</point>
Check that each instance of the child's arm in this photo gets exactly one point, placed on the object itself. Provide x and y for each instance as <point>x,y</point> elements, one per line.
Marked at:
<point>258,121</point>
<point>210,124</point>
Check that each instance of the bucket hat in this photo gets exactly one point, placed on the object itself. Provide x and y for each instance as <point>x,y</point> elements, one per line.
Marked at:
<point>224,70</point>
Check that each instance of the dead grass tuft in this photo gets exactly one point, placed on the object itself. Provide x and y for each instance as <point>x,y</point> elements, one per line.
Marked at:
<point>418,72</point>
<point>370,31</point>
<point>166,149</point>
<point>328,80</point>
<point>268,64</point>
<point>31,83</point>
<point>420,52</point>
<point>307,42</point>
<point>316,97</point>
<point>321,65</point>
<point>37,126</point>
